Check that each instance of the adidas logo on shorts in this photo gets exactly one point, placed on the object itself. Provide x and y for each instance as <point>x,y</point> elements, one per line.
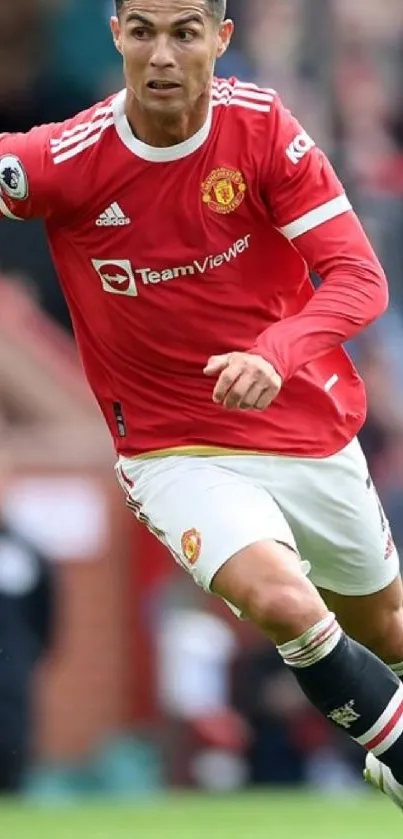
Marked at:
<point>113,216</point>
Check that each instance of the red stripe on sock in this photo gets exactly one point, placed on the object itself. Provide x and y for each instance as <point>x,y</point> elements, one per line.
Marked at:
<point>316,642</point>
<point>376,741</point>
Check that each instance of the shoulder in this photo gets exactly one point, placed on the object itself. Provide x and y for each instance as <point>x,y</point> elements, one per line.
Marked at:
<point>242,98</point>
<point>32,181</point>
<point>259,109</point>
<point>63,140</point>
<point>249,115</point>
<point>259,120</point>
<point>68,139</point>
<point>252,120</point>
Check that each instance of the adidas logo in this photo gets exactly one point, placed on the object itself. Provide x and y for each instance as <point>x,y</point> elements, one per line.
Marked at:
<point>112,217</point>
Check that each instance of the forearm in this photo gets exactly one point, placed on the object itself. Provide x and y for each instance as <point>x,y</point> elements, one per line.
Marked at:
<point>353,294</point>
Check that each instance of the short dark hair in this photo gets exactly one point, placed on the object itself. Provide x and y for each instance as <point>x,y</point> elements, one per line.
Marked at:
<point>217,8</point>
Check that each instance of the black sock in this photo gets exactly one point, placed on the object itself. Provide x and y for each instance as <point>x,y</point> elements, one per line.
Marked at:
<point>352,688</point>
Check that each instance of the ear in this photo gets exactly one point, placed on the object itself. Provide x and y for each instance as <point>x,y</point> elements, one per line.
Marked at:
<point>225,33</point>
<point>116,33</point>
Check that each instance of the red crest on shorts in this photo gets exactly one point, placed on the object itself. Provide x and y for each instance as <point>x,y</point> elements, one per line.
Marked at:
<point>191,545</point>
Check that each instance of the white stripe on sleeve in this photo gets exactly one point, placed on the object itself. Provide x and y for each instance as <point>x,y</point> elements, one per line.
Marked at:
<point>332,209</point>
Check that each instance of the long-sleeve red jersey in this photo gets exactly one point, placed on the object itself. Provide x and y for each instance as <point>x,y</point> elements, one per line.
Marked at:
<point>170,255</point>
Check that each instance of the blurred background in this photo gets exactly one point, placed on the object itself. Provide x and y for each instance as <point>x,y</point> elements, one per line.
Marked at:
<point>117,676</point>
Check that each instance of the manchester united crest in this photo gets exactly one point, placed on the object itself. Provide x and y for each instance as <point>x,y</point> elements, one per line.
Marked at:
<point>224,190</point>
<point>191,545</point>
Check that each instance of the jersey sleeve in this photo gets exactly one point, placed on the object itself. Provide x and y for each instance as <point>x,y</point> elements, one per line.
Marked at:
<point>309,206</point>
<point>28,183</point>
<point>300,185</point>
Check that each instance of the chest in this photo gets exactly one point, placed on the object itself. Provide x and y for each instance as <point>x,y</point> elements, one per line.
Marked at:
<point>178,237</point>
<point>167,215</point>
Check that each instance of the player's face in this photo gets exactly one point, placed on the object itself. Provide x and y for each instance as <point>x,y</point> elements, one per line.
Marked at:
<point>169,50</point>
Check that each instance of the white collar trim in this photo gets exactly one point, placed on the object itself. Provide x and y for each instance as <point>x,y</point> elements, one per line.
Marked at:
<point>156,154</point>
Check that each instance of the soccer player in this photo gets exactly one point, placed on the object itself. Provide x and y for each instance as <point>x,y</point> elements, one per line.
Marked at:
<point>184,215</point>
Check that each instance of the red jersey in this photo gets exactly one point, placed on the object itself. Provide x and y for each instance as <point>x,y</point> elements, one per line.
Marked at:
<point>170,255</point>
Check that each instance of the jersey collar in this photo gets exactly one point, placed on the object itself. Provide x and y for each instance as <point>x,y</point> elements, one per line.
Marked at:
<point>154,154</point>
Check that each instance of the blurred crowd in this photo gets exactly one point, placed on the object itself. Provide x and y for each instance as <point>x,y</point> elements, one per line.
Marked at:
<point>338,65</point>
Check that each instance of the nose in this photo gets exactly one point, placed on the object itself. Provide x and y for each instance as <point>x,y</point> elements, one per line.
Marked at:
<point>162,56</point>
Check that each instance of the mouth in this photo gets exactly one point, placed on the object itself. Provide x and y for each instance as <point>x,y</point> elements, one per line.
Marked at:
<point>163,87</point>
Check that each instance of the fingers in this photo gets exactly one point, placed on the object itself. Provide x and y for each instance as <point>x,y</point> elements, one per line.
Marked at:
<point>225,386</point>
<point>227,378</point>
<point>234,392</point>
<point>244,392</point>
<point>257,399</point>
<point>216,363</point>
<point>265,399</point>
<point>244,382</point>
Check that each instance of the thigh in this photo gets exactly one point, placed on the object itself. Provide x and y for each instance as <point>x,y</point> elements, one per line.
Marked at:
<point>201,511</point>
<point>338,522</point>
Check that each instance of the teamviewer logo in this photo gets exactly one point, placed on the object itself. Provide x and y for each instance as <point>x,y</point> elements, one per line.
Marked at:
<point>117,276</point>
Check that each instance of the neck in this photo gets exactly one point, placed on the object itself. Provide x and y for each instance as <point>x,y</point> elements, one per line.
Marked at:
<point>163,130</point>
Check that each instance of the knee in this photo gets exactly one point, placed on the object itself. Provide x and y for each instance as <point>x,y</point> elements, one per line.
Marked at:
<point>284,610</point>
<point>266,583</point>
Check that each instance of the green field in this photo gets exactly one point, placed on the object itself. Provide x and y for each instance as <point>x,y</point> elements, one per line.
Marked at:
<point>262,816</point>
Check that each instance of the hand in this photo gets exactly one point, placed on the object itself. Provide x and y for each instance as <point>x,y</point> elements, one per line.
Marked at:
<point>245,381</point>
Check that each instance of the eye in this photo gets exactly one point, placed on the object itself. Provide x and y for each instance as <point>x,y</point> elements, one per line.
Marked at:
<point>186,35</point>
<point>140,33</point>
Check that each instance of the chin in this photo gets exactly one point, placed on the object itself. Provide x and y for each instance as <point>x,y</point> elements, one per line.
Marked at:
<point>167,106</point>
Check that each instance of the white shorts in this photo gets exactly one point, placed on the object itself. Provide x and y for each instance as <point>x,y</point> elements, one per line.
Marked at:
<point>207,508</point>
